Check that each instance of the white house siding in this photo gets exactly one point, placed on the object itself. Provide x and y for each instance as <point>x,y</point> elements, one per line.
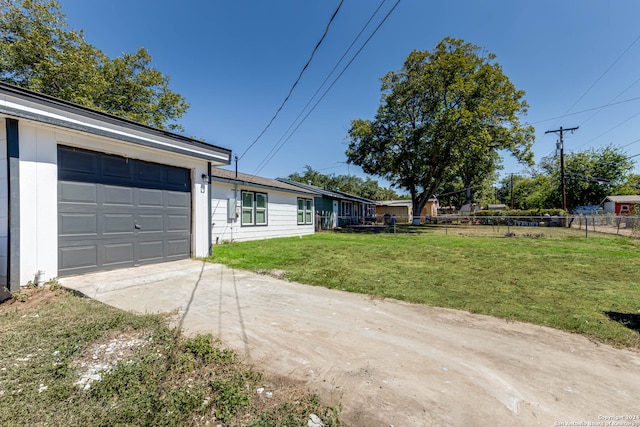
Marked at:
<point>4,205</point>
<point>38,192</point>
<point>282,211</point>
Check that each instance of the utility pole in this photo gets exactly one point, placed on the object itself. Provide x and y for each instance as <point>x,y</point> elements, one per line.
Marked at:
<point>511,191</point>
<point>560,146</point>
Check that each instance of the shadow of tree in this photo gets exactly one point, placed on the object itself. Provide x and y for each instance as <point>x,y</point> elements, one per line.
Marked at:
<point>629,320</point>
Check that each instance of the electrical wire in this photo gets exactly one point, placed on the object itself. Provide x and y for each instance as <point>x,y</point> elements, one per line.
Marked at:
<point>277,147</point>
<point>600,78</point>
<point>588,109</point>
<point>326,30</point>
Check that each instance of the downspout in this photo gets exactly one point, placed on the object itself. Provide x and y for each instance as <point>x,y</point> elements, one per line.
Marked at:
<point>209,208</point>
<point>13,202</point>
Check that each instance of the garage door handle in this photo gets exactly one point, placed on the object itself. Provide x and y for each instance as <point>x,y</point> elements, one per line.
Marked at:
<point>137,226</point>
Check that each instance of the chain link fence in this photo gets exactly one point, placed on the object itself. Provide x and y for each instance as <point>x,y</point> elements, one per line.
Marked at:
<point>539,226</point>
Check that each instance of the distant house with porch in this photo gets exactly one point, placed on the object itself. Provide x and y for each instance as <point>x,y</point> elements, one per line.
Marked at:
<point>335,208</point>
<point>403,209</point>
<point>621,205</point>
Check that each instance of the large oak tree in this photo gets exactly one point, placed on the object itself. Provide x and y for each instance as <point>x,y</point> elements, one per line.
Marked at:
<point>442,114</point>
<point>38,51</point>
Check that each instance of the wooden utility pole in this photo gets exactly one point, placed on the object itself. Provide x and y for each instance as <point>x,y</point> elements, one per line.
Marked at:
<point>560,146</point>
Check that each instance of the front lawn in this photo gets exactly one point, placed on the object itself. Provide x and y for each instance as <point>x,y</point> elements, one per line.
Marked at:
<point>567,282</point>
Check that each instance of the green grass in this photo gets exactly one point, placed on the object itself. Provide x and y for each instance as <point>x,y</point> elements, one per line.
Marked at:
<point>166,380</point>
<point>565,281</point>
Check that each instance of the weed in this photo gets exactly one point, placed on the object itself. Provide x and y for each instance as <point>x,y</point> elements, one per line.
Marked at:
<point>166,380</point>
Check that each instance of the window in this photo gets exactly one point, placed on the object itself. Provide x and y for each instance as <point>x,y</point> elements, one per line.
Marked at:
<point>254,208</point>
<point>346,208</point>
<point>305,211</point>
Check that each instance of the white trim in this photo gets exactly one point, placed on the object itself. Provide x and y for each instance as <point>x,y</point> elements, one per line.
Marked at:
<point>108,130</point>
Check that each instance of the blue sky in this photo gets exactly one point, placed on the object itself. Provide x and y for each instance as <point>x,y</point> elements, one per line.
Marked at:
<point>235,62</point>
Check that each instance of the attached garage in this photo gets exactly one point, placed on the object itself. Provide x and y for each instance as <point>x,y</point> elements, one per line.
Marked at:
<point>82,190</point>
<point>115,212</point>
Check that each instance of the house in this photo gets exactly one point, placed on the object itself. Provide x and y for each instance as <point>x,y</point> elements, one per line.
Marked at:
<point>496,207</point>
<point>82,190</point>
<point>403,209</point>
<point>248,207</point>
<point>620,205</point>
<point>336,208</point>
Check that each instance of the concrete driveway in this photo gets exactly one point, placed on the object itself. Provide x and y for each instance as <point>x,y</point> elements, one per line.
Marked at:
<point>388,362</point>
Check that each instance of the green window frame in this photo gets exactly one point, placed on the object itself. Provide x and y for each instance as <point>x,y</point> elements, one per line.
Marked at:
<point>254,208</point>
<point>305,211</point>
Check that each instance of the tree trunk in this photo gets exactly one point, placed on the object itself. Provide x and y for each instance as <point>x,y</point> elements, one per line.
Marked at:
<point>417,206</point>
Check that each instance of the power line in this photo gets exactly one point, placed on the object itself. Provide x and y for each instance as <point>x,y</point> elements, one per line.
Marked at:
<point>610,129</point>
<point>588,109</point>
<point>277,148</point>
<point>331,72</point>
<point>326,30</point>
<point>601,76</point>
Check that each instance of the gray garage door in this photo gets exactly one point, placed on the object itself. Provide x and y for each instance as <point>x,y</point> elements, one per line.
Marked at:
<point>115,212</point>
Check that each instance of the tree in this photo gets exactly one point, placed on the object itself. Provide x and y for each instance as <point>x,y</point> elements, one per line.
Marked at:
<point>443,109</point>
<point>590,175</point>
<point>39,52</point>
<point>368,188</point>
<point>526,192</point>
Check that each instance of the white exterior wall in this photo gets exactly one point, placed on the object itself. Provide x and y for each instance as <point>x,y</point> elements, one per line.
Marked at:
<point>282,215</point>
<point>609,207</point>
<point>39,192</point>
<point>4,204</point>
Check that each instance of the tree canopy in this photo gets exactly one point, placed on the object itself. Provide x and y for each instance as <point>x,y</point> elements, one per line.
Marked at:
<point>446,113</point>
<point>367,188</point>
<point>38,51</point>
<point>590,176</point>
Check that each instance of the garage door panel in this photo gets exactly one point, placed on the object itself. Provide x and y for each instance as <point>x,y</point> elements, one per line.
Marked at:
<point>178,223</point>
<point>120,212</point>
<point>153,250</point>
<point>117,167</point>
<point>177,247</point>
<point>116,195</point>
<point>77,224</point>
<point>151,223</point>
<point>177,199</point>
<point>178,178</point>
<point>118,253</point>
<point>118,223</point>
<point>78,163</point>
<point>78,192</point>
<point>78,257</point>
<point>150,173</point>
<point>150,198</point>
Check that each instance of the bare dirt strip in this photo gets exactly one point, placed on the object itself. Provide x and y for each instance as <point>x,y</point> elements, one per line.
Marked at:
<point>388,363</point>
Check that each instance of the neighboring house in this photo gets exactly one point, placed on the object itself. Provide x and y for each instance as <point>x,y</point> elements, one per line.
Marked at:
<point>588,210</point>
<point>403,209</point>
<point>620,205</point>
<point>497,207</point>
<point>248,207</point>
<point>82,190</point>
<point>336,208</point>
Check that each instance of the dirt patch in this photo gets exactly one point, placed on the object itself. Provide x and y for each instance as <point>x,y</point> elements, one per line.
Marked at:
<point>27,300</point>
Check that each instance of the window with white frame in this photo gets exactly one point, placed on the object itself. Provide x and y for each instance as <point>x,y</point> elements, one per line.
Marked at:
<point>254,208</point>
<point>346,208</point>
<point>305,211</point>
